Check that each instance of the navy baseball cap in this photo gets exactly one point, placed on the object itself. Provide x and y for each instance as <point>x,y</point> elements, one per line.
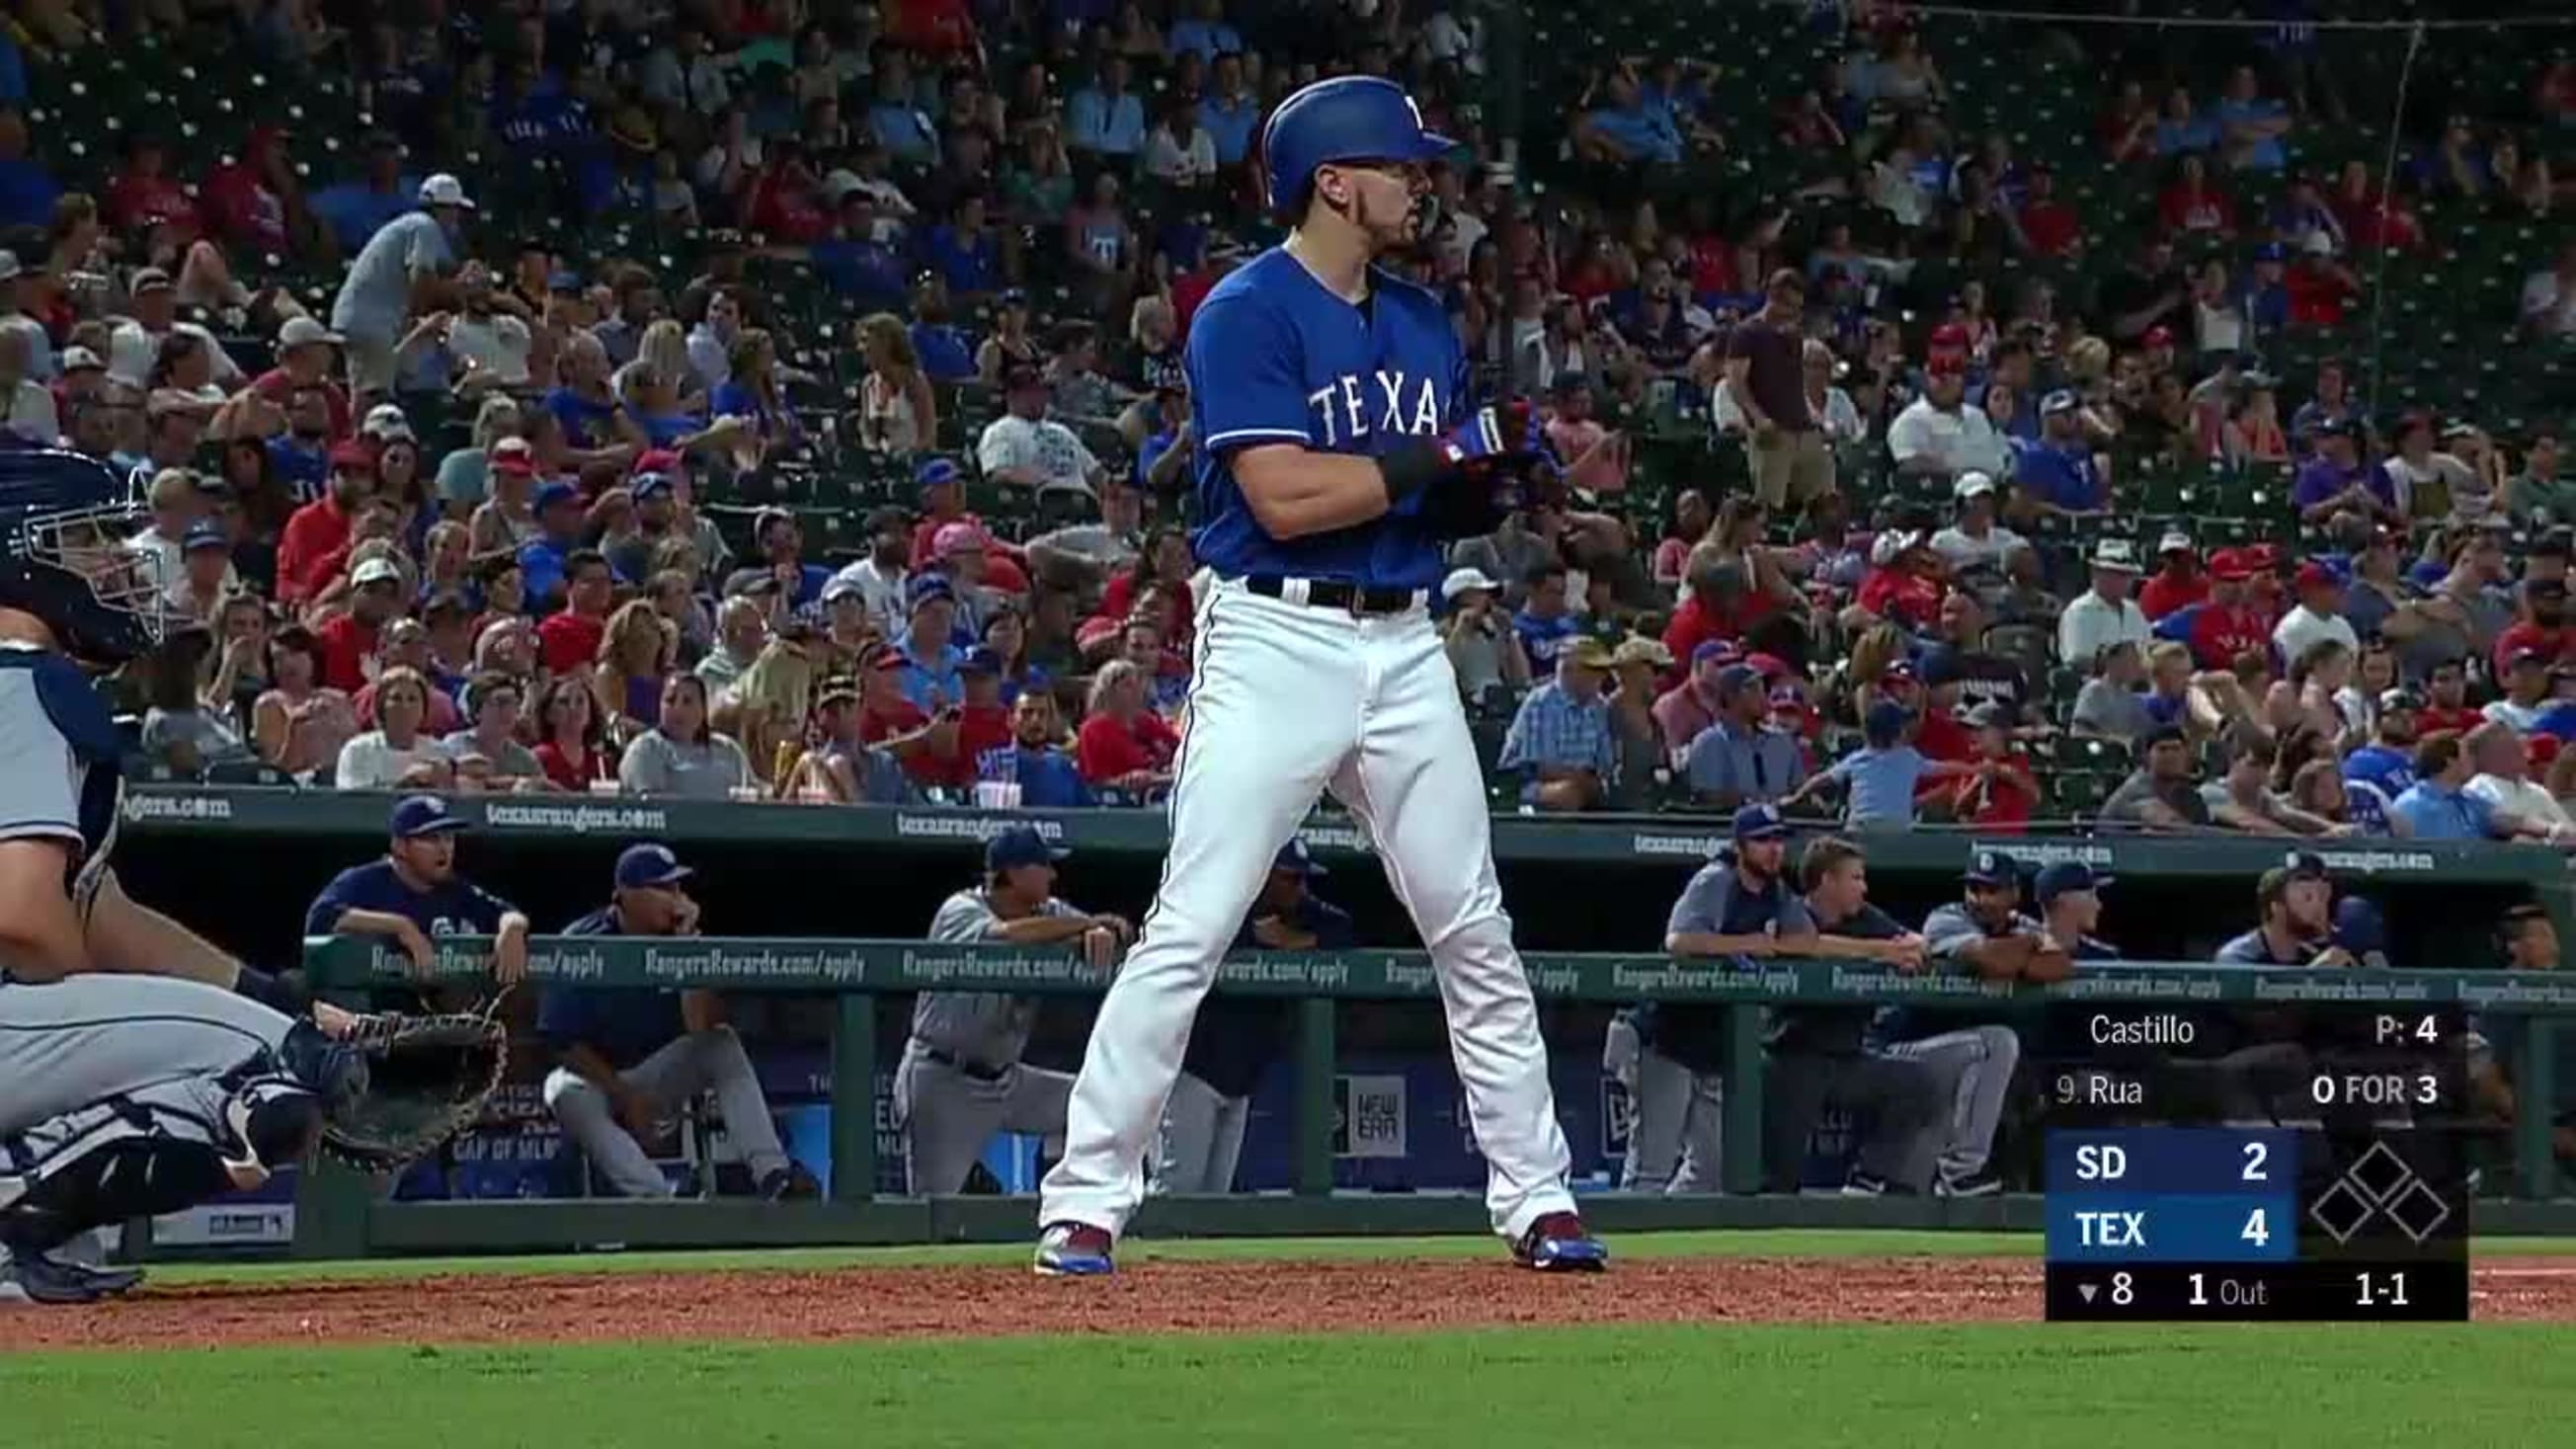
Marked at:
<point>1736,677</point>
<point>2067,876</point>
<point>1887,720</point>
<point>1992,868</point>
<point>2358,926</point>
<point>1296,859</point>
<point>2304,862</point>
<point>925,587</point>
<point>650,485</point>
<point>418,815</point>
<point>1020,845</point>
<point>204,533</point>
<point>550,494</point>
<point>980,660</point>
<point>1760,822</point>
<point>646,866</point>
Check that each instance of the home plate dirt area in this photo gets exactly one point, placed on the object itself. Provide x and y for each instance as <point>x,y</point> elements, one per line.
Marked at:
<point>1149,1297</point>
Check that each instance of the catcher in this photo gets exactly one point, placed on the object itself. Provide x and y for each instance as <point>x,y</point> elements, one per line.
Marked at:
<point>142,1069</point>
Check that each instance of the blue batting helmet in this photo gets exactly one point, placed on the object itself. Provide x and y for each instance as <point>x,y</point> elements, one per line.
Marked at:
<point>1345,118</point>
<point>64,519</point>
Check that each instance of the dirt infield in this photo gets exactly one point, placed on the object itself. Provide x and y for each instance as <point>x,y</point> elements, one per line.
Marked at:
<point>1154,1297</point>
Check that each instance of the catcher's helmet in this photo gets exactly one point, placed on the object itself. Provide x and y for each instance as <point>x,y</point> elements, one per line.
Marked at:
<point>1344,118</point>
<point>64,520</point>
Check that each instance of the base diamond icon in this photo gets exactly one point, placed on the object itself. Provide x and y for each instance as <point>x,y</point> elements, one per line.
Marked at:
<point>2340,1210</point>
<point>2417,1211</point>
<point>2380,1173</point>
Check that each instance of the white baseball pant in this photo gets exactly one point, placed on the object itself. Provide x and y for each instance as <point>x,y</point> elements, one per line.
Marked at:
<point>1289,700</point>
<point>711,1060</point>
<point>1202,1138</point>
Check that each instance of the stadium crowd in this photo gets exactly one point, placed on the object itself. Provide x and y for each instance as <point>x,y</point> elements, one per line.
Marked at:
<point>782,401</point>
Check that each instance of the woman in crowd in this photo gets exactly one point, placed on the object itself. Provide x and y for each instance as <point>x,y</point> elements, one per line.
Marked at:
<point>753,391</point>
<point>897,413</point>
<point>680,756</point>
<point>1163,564</point>
<point>636,655</point>
<point>1123,745</point>
<point>398,754</point>
<point>235,673</point>
<point>571,747</point>
<point>1010,342</point>
<point>1006,633</point>
<point>300,725</point>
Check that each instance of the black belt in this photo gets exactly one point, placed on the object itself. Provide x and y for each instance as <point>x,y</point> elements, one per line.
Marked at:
<point>981,1074</point>
<point>1339,594</point>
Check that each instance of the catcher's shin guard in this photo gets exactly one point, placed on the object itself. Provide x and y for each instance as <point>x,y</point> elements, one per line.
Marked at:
<point>103,1164</point>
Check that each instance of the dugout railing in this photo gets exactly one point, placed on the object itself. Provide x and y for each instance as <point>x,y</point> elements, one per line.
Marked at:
<point>339,1215</point>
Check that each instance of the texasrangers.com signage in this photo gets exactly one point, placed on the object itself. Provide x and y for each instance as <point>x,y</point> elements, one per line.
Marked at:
<point>579,819</point>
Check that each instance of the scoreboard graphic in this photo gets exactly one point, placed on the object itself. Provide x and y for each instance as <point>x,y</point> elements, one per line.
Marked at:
<point>2257,1165</point>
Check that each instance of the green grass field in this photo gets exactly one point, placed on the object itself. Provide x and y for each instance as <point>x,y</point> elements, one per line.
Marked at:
<point>1989,1385</point>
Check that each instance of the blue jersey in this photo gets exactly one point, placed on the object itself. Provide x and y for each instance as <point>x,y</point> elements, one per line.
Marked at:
<point>1275,358</point>
<point>454,907</point>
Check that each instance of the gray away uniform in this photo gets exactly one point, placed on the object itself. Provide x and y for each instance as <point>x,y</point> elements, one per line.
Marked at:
<point>961,1079</point>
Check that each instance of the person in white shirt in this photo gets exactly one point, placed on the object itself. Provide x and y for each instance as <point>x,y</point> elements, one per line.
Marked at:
<point>711,341</point>
<point>2549,298</point>
<point>1939,436</point>
<point>29,405</point>
<point>2503,778</point>
<point>1975,540</point>
<point>2319,615</point>
<point>2526,691</point>
<point>136,341</point>
<point>2104,614</point>
<point>387,277</point>
<point>1027,449</point>
<point>880,576</point>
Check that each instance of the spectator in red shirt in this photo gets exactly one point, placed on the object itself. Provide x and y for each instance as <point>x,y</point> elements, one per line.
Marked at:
<point>2003,793</point>
<point>2448,709</point>
<point>2542,629</point>
<point>1721,606</point>
<point>570,637</point>
<point>573,750</point>
<point>2319,287</point>
<point>2179,583</point>
<point>253,202</point>
<point>143,191</point>
<point>1905,591</point>
<point>2050,226</point>
<point>318,533</point>
<point>1123,745</point>
<point>304,361</point>
<point>926,747</point>
<point>348,641</point>
<point>2191,206</point>
<point>2229,624</point>
<point>983,720</point>
<point>1939,736</point>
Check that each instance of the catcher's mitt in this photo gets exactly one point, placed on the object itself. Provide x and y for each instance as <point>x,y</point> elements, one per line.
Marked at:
<point>405,1084</point>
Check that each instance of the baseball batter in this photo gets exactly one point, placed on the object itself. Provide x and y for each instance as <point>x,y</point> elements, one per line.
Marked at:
<point>1340,454</point>
<point>123,1092</point>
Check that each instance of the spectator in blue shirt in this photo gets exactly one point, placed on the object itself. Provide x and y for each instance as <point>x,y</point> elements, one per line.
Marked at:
<point>1104,118</point>
<point>1545,623</point>
<point>1035,760</point>
<point>541,559</point>
<point>1206,34</point>
<point>947,354</point>
<point>2335,479</point>
<point>1561,741</point>
<point>1739,760</point>
<point>356,210</point>
<point>2439,805</point>
<point>1626,128</point>
<point>1879,778</point>
<point>2183,128</point>
<point>966,255</point>
<point>413,896</point>
<point>1230,111</point>
<point>2250,127</point>
<point>782,556</point>
<point>27,189</point>
<point>2380,772</point>
<point>2058,473</point>
<point>929,646</point>
<point>896,119</point>
<point>628,1057</point>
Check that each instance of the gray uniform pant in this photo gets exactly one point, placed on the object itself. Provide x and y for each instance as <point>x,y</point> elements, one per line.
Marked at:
<point>1908,1110</point>
<point>1202,1138</point>
<point>948,1114</point>
<point>711,1060</point>
<point>1975,1070</point>
<point>113,1061</point>
<point>1673,1140</point>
